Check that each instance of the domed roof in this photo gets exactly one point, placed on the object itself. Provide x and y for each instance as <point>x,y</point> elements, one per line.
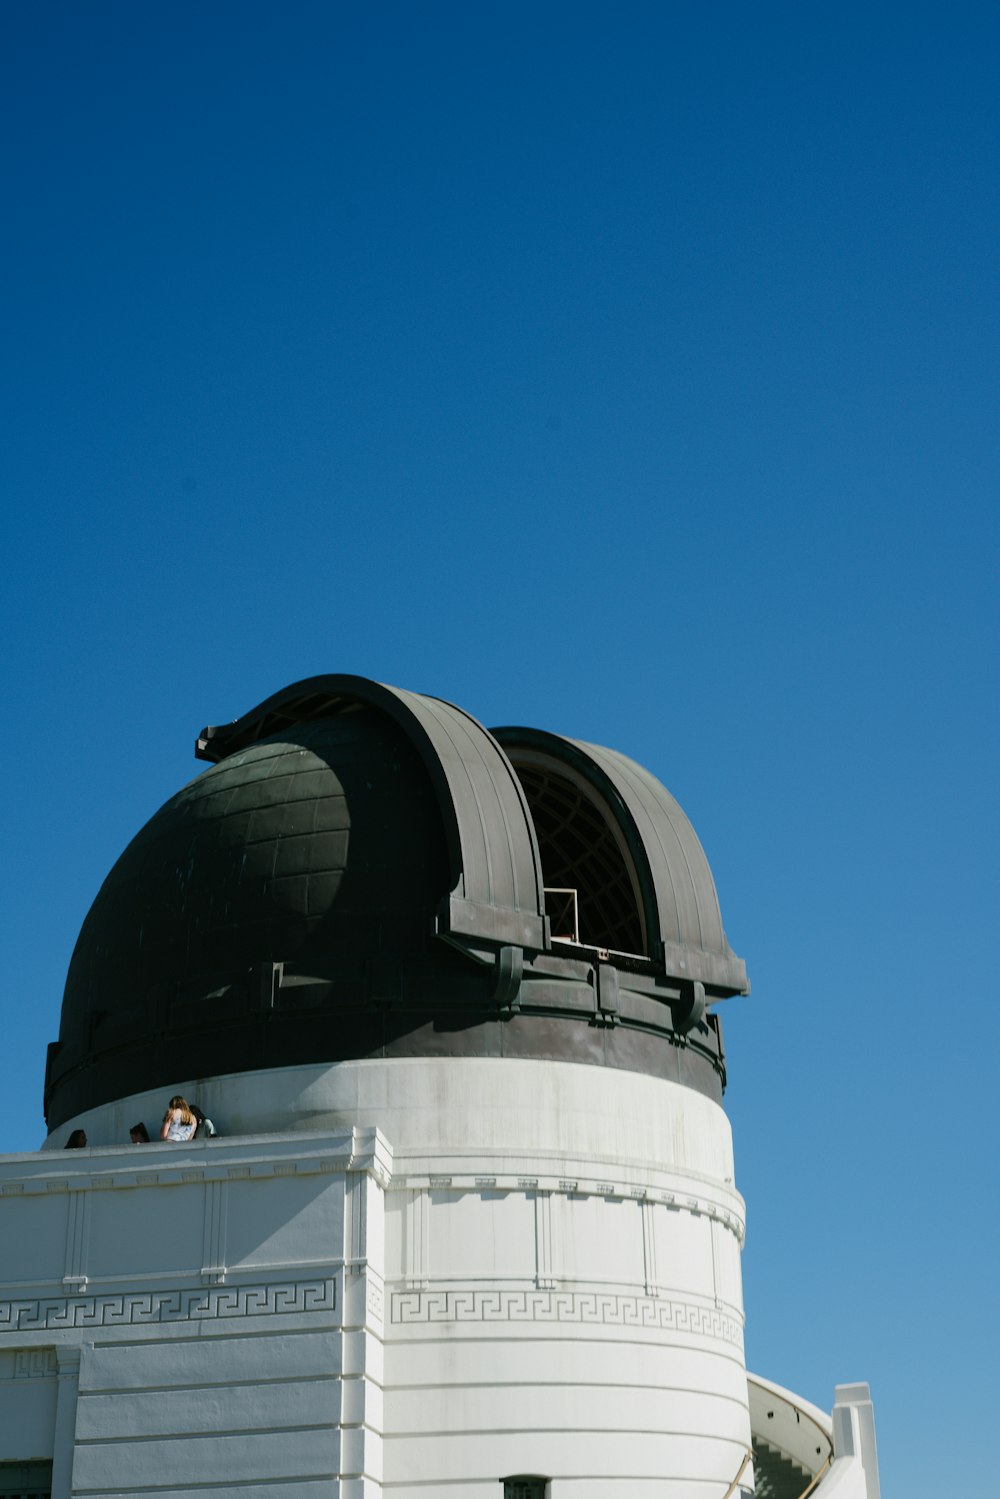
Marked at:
<point>365,871</point>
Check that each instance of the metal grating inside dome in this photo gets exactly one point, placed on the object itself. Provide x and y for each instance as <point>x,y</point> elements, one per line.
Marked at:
<point>579,852</point>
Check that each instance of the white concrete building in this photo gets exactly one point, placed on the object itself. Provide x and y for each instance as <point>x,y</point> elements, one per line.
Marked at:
<point>469,1226</point>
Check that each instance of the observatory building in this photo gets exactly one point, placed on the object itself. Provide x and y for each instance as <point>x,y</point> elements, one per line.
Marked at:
<point>468,1228</point>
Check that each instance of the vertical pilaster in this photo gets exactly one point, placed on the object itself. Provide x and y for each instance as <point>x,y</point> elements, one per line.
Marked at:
<point>417,1233</point>
<point>544,1277</point>
<point>717,1279</point>
<point>213,1251</point>
<point>361,1420</point>
<point>77,1235</point>
<point>67,1389</point>
<point>649,1247</point>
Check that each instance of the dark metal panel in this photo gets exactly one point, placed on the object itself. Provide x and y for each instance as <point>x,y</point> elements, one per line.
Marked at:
<point>501,866</point>
<point>687,906</point>
<point>688,903</point>
<point>493,851</point>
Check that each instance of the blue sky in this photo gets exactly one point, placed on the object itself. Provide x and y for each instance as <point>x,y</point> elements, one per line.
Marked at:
<point>630,371</point>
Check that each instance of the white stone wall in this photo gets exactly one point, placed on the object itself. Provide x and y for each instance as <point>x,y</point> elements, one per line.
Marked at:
<point>178,1318</point>
<point>541,1277</point>
<point>563,1285</point>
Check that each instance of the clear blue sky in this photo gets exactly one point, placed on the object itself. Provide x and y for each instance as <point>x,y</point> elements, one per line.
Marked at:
<point>628,370</point>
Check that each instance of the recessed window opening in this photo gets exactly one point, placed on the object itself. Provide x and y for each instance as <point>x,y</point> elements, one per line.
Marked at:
<point>582,850</point>
<point>525,1488</point>
<point>26,1480</point>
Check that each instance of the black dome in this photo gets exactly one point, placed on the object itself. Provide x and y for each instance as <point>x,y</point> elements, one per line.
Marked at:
<point>360,875</point>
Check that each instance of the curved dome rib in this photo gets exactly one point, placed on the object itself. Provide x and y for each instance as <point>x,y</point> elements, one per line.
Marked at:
<point>495,871</point>
<point>673,883</point>
<point>687,905</point>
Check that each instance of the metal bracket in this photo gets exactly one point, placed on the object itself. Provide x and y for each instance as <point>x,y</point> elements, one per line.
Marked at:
<point>689,1010</point>
<point>507,978</point>
<point>606,994</point>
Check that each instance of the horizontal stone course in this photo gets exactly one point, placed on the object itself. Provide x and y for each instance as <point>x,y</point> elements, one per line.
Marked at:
<point>223,1360</point>
<point>208,1408</point>
<point>301,1488</point>
<point>205,1460</point>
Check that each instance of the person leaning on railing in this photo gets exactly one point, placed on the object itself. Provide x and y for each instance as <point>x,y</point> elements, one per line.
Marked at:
<point>179,1124</point>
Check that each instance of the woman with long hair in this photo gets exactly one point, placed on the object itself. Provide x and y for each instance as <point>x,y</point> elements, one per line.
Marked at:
<point>178,1122</point>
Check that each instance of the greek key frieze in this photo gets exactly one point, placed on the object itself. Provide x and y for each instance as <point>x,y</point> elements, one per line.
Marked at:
<point>607,1309</point>
<point>136,1308</point>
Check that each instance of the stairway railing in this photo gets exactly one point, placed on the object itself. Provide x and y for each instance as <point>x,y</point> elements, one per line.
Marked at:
<point>736,1481</point>
<point>814,1481</point>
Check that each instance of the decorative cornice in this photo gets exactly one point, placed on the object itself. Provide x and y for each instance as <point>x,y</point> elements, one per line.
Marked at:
<point>684,1199</point>
<point>358,1150</point>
